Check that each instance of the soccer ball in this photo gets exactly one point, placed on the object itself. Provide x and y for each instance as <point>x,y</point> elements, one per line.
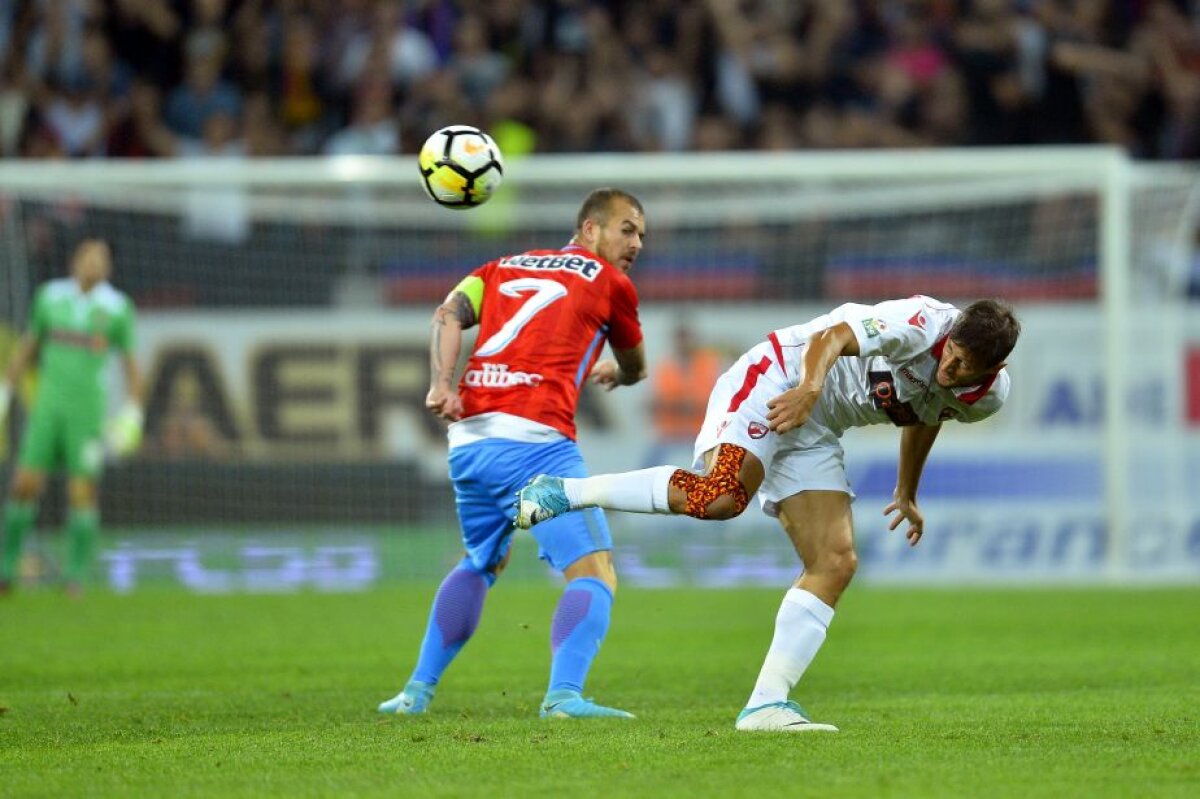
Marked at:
<point>460,167</point>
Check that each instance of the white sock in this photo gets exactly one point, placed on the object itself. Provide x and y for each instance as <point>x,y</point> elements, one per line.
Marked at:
<point>643,491</point>
<point>799,632</point>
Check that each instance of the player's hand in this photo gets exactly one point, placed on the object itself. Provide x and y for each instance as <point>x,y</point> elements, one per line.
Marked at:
<point>444,403</point>
<point>792,408</point>
<point>5,400</point>
<point>906,509</point>
<point>124,433</point>
<point>606,373</point>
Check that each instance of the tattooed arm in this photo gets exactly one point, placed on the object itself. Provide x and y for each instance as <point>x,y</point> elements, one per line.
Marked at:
<point>454,315</point>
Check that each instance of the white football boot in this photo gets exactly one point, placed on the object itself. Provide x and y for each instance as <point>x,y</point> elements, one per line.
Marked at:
<point>779,717</point>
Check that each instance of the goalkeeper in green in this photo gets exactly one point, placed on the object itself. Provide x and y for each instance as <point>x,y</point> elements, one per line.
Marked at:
<point>75,325</point>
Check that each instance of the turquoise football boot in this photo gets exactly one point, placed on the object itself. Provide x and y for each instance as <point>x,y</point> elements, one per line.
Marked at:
<point>564,704</point>
<point>542,499</point>
<point>412,700</point>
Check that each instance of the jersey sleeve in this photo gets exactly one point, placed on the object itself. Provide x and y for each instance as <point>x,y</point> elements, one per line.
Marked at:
<point>625,329</point>
<point>123,328</point>
<point>897,329</point>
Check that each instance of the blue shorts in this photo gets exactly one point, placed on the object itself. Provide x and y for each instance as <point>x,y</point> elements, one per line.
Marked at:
<point>487,475</point>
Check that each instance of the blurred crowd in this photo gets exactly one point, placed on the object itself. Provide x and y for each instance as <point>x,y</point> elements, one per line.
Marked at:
<point>146,78</point>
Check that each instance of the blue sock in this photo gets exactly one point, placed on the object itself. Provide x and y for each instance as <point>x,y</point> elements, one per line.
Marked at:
<point>579,626</point>
<point>452,620</point>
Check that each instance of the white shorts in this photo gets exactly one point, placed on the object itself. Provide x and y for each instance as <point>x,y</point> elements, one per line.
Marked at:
<point>809,458</point>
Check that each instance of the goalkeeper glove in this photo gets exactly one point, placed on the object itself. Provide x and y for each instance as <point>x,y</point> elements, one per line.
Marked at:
<point>125,429</point>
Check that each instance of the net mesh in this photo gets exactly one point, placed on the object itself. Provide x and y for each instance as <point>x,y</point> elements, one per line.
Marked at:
<point>283,331</point>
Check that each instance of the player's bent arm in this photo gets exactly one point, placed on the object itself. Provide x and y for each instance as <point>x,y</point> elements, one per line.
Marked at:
<point>632,363</point>
<point>134,385</point>
<point>22,357</point>
<point>916,441</point>
<point>455,314</point>
<point>24,354</point>
<point>823,350</point>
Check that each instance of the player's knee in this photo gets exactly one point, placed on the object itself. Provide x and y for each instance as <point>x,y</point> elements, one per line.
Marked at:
<point>26,487</point>
<point>717,495</point>
<point>597,566</point>
<point>726,506</point>
<point>838,565</point>
<point>82,494</point>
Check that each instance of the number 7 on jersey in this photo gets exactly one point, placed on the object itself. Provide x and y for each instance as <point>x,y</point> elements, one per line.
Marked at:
<point>545,293</point>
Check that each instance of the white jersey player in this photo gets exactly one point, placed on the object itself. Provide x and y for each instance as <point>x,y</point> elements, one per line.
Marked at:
<point>773,427</point>
<point>892,381</point>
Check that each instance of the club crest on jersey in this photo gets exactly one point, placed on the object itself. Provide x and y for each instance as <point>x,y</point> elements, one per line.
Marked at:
<point>874,327</point>
<point>757,430</point>
<point>497,375</point>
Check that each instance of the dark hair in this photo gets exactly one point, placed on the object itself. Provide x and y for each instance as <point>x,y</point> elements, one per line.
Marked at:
<point>988,329</point>
<point>599,203</point>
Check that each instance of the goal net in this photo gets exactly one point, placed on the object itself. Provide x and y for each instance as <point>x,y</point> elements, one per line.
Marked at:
<point>283,311</point>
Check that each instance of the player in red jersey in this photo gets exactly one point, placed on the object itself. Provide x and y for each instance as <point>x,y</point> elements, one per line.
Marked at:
<point>543,318</point>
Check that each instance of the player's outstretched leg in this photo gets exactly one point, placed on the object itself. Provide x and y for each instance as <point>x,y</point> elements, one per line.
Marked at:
<point>723,491</point>
<point>642,491</point>
<point>452,621</point>
<point>580,624</point>
<point>784,716</point>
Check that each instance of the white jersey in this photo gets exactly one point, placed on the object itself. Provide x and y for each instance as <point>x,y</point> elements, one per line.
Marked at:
<point>892,379</point>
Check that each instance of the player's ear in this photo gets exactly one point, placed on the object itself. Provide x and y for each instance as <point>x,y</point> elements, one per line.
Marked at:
<point>588,229</point>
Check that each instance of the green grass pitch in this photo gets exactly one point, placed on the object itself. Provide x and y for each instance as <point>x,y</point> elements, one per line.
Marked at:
<point>939,693</point>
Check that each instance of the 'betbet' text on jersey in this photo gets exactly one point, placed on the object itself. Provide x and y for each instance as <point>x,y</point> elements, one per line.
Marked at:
<point>586,267</point>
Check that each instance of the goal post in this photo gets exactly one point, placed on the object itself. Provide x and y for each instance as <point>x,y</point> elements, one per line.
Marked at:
<point>284,306</point>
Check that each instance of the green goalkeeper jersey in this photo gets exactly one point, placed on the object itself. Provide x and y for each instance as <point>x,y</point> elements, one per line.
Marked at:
<point>76,333</point>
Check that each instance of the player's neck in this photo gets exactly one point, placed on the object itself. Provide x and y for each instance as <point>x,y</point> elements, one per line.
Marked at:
<point>85,287</point>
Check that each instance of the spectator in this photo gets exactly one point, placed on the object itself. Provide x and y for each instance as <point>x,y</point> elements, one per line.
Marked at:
<point>14,102</point>
<point>54,52</point>
<point>373,129</point>
<point>657,74</point>
<point>299,86</point>
<point>202,95</point>
<point>136,132</point>
<point>408,53</point>
<point>75,116</point>
<point>478,69</point>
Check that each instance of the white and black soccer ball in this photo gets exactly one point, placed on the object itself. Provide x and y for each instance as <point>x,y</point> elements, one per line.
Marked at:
<point>461,167</point>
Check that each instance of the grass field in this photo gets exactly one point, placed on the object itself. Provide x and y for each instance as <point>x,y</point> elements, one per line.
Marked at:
<point>938,693</point>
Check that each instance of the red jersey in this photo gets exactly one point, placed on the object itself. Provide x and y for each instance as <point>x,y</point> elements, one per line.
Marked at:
<point>544,318</point>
